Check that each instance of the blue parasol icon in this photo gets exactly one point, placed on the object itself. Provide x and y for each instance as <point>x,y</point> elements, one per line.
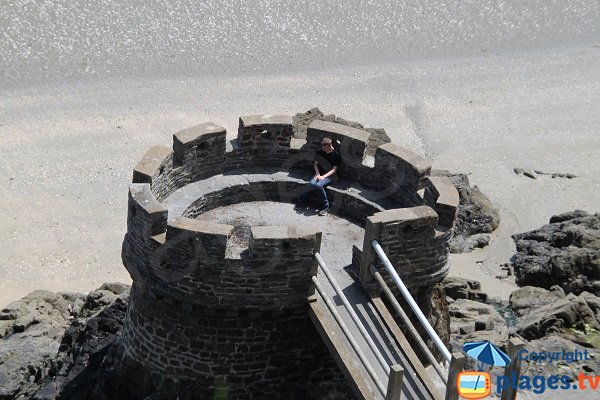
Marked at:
<point>486,353</point>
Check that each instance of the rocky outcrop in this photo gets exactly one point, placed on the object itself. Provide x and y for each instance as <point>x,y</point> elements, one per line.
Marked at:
<point>533,174</point>
<point>565,252</point>
<point>553,321</point>
<point>471,317</point>
<point>301,121</point>
<point>541,312</point>
<point>66,346</point>
<point>476,217</point>
<point>461,288</point>
<point>474,321</point>
<point>31,329</point>
<point>82,350</point>
<point>557,344</point>
<point>33,337</point>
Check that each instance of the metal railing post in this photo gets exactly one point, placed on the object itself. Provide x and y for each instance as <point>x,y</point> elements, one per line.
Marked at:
<point>513,369</point>
<point>411,302</point>
<point>409,325</point>
<point>394,388</point>
<point>457,363</point>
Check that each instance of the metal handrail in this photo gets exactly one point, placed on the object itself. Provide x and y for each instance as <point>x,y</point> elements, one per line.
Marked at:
<point>353,314</point>
<point>411,302</point>
<point>409,324</point>
<point>348,334</point>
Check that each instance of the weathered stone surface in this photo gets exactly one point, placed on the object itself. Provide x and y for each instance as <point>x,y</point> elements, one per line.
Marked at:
<point>31,351</point>
<point>542,312</point>
<point>565,252</point>
<point>525,299</point>
<point>151,163</point>
<point>556,344</point>
<point>462,244</point>
<point>476,214</point>
<point>82,350</point>
<point>442,196</point>
<point>460,288</point>
<point>475,321</point>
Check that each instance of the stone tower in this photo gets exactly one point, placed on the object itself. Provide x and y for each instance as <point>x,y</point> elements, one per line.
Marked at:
<point>231,319</point>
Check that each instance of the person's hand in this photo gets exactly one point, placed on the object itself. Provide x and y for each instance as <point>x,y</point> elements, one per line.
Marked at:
<point>319,177</point>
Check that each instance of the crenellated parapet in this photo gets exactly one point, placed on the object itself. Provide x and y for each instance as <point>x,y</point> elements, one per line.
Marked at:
<point>188,260</point>
<point>266,142</point>
<point>197,153</point>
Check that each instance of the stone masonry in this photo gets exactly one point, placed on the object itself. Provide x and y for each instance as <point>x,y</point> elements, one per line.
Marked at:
<point>239,319</point>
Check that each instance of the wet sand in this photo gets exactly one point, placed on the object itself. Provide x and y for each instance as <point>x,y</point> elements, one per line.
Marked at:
<point>69,137</point>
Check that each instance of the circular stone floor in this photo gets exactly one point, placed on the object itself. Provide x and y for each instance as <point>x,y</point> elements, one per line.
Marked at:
<point>338,234</point>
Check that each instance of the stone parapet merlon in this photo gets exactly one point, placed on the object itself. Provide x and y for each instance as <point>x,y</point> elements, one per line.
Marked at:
<point>442,196</point>
<point>414,243</point>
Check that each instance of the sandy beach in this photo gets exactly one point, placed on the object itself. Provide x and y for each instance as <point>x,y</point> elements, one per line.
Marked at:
<point>509,87</point>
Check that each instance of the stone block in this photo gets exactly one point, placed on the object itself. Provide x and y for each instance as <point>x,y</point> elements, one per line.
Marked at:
<point>151,164</point>
<point>260,120</point>
<point>196,144</point>
<point>446,199</point>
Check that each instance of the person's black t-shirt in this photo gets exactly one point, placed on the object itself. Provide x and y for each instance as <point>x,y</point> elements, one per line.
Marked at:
<point>326,161</point>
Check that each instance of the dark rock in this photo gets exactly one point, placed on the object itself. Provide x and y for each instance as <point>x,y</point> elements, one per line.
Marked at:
<point>476,215</point>
<point>568,216</point>
<point>439,318</point>
<point>301,121</point>
<point>541,312</point>
<point>475,321</point>
<point>461,288</point>
<point>526,172</point>
<point>82,350</point>
<point>556,174</point>
<point>527,298</point>
<point>36,332</point>
<point>461,244</point>
<point>557,344</point>
<point>32,328</point>
<point>565,252</point>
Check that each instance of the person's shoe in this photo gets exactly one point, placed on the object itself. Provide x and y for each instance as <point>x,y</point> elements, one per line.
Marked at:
<point>324,211</point>
<point>299,206</point>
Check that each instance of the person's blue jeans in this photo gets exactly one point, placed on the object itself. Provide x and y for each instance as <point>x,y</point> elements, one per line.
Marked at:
<point>320,187</point>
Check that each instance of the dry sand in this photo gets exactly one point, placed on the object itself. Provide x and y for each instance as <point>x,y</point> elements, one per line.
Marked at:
<point>479,91</point>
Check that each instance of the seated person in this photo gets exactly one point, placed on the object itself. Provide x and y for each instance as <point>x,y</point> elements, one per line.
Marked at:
<point>326,162</point>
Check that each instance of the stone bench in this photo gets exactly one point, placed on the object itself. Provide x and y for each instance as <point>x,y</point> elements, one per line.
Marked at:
<point>347,199</point>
